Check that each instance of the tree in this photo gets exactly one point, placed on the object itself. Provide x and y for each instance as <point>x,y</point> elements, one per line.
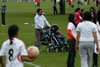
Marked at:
<point>62,6</point>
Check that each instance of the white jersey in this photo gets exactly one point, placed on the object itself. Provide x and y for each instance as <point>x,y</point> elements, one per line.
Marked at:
<point>13,52</point>
<point>71,26</point>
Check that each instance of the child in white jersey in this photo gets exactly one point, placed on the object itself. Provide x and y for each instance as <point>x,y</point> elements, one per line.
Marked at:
<point>14,50</point>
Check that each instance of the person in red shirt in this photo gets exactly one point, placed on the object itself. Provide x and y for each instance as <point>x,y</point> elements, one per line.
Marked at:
<point>70,2</point>
<point>37,2</point>
<point>71,31</point>
<point>77,16</point>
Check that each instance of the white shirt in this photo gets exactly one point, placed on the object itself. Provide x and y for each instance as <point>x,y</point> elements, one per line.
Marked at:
<point>71,26</point>
<point>40,21</point>
<point>86,29</point>
<point>13,52</point>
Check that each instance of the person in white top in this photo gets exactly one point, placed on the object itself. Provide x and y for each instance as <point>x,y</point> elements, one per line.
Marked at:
<point>40,22</point>
<point>71,30</point>
<point>14,50</point>
<point>86,36</point>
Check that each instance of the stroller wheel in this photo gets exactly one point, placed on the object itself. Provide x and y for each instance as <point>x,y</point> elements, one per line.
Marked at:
<point>57,50</point>
<point>48,49</point>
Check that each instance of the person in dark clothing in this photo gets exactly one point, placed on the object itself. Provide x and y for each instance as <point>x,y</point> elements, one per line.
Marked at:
<point>94,17</point>
<point>82,14</point>
<point>93,13</point>
<point>55,8</point>
<point>62,6</point>
<point>3,15</point>
<point>5,0</point>
<point>95,54</point>
<point>79,2</point>
<point>61,40</point>
<point>92,9</point>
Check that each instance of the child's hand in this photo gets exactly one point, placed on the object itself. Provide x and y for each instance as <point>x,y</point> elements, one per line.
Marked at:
<point>58,31</point>
<point>77,48</point>
<point>97,49</point>
<point>43,30</point>
<point>3,65</point>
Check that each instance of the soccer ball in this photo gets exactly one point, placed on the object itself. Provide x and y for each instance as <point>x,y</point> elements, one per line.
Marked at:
<point>33,51</point>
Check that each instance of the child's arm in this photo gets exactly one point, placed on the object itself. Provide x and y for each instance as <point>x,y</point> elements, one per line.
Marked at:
<point>1,62</point>
<point>70,34</point>
<point>26,58</point>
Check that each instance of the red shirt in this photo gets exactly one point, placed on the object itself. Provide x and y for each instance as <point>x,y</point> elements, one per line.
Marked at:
<point>77,15</point>
<point>38,1</point>
<point>69,2</point>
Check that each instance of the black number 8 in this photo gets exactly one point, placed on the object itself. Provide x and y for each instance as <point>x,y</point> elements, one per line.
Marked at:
<point>11,51</point>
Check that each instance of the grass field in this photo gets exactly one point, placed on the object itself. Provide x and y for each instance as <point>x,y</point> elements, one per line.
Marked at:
<point>19,13</point>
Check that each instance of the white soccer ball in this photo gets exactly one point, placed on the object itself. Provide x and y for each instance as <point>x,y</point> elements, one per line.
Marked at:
<point>33,51</point>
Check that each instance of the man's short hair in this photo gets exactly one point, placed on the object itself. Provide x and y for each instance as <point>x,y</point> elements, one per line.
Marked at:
<point>38,10</point>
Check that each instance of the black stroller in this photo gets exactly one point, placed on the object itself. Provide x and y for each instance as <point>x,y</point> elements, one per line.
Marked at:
<point>54,40</point>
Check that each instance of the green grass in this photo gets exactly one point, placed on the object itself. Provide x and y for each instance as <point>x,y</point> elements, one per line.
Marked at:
<point>19,13</point>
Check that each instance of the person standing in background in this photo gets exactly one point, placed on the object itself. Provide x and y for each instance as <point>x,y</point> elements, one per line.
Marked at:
<point>79,3</point>
<point>70,1</point>
<point>5,0</point>
<point>71,30</point>
<point>55,8</point>
<point>40,22</point>
<point>82,14</point>
<point>85,1</point>
<point>77,16</point>
<point>97,3</point>
<point>95,54</point>
<point>92,9</point>
<point>37,3</point>
<point>3,14</point>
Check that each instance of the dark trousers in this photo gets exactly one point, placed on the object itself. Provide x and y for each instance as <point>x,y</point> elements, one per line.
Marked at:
<point>71,54</point>
<point>95,60</point>
<point>3,18</point>
<point>55,10</point>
